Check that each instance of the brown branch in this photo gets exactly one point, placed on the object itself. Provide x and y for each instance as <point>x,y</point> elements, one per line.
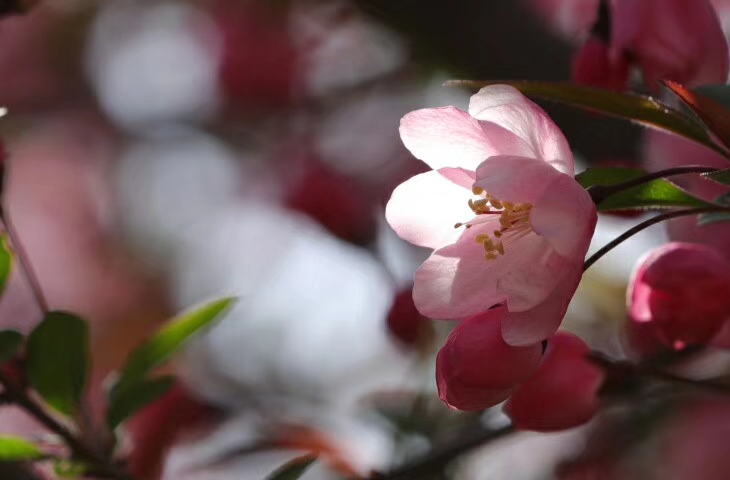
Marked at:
<point>102,466</point>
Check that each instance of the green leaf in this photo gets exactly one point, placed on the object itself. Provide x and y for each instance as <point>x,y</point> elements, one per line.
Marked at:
<point>716,217</point>
<point>607,176</point>
<point>657,194</point>
<point>646,111</point>
<point>293,469</point>
<point>135,397</point>
<point>720,176</point>
<point>167,341</point>
<point>7,258</point>
<point>58,360</point>
<point>10,342</point>
<point>64,468</point>
<point>14,449</point>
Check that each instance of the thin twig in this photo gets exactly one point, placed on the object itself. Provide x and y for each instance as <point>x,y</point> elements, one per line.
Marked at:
<point>102,466</point>
<point>646,224</point>
<point>24,262</point>
<point>647,370</point>
<point>601,192</point>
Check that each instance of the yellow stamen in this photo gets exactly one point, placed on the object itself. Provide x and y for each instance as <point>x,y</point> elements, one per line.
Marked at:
<point>514,221</point>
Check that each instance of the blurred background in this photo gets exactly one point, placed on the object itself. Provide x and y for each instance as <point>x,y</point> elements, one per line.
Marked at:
<point>162,153</point>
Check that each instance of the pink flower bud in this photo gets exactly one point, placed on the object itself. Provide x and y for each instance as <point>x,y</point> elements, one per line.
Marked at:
<point>476,369</point>
<point>563,392</point>
<point>594,65</point>
<point>335,201</point>
<point>406,323</point>
<point>680,294</point>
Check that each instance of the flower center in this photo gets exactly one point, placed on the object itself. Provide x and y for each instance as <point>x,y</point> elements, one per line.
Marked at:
<point>514,221</point>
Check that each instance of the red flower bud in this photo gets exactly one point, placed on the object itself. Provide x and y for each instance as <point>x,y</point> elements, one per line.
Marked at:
<point>680,294</point>
<point>476,369</point>
<point>563,392</point>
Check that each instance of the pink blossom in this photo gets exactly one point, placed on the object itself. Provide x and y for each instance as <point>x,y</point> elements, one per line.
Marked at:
<point>680,40</point>
<point>476,369</point>
<point>680,294</point>
<point>522,240</point>
<point>562,393</point>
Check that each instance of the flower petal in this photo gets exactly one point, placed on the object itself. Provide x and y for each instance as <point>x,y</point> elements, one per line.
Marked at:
<point>680,40</point>
<point>515,179</point>
<point>457,281</point>
<point>541,321</point>
<point>449,137</point>
<point>507,107</point>
<point>564,391</point>
<point>424,209</point>
<point>476,369</point>
<point>566,217</point>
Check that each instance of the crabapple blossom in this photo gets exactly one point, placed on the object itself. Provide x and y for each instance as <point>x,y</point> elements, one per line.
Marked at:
<point>562,393</point>
<point>476,369</point>
<point>680,293</point>
<point>522,240</point>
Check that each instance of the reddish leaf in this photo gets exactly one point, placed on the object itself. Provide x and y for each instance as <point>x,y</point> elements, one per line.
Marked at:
<point>714,115</point>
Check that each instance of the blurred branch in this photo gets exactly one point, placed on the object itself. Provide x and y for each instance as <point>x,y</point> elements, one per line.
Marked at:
<point>437,460</point>
<point>24,262</point>
<point>17,471</point>
<point>647,370</point>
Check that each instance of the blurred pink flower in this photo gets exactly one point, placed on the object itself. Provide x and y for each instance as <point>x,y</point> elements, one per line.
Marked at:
<point>562,393</point>
<point>259,68</point>
<point>526,233</point>
<point>694,442</point>
<point>681,292</point>
<point>406,323</point>
<point>667,151</point>
<point>680,40</point>
<point>476,369</point>
<point>594,64</point>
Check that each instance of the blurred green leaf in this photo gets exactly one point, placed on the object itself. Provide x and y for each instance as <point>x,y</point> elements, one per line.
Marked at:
<point>646,111</point>
<point>7,258</point>
<point>607,176</point>
<point>720,176</point>
<point>714,115</point>
<point>716,217</point>
<point>135,397</point>
<point>167,341</point>
<point>14,449</point>
<point>656,194</point>
<point>720,93</point>
<point>69,469</point>
<point>10,342</point>
<point>293,469</point>
<point>58,360</point>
